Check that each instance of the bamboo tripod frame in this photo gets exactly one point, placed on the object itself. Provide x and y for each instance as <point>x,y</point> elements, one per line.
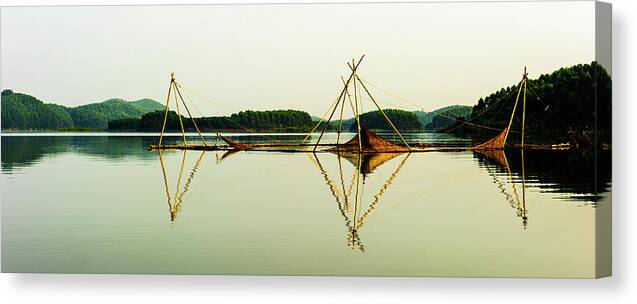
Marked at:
<point>174,89</point>
<point>356,106</point>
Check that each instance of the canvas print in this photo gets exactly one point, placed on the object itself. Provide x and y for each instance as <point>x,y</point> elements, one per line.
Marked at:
<point>468,139</point>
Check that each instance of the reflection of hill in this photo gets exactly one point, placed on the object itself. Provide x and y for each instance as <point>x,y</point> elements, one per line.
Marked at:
<point>560,171</point>
<point>23,151</point>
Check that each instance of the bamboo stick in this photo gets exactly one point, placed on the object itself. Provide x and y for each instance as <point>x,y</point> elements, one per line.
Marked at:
<point>358,117</point>
<point>524,107</point>
<point>339,97</point>
<point>513,112</point>
<point>161,135</point>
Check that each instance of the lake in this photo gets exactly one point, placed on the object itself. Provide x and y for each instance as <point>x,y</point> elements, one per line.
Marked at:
<point>103,203</point>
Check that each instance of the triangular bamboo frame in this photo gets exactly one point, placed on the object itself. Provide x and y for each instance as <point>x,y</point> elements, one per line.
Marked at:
<point>174,88</point>
<point>356,107</point>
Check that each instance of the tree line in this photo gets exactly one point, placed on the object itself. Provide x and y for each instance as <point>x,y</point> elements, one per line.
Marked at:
<point>271,121</point>
<point>262,121</point>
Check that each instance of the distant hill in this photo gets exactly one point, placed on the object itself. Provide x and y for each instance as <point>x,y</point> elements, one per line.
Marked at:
<point>25,112</point>
<point>408,121</point>
<point>443,116</point>
<point>402,120</point>
<point>97,115</point>
<point>147,105</point>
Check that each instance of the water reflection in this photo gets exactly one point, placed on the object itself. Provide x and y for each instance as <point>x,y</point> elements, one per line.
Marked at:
<point>567,175</point>
<point>23,151</point>
<point>439,213</point>
<point>570,175</point>
<point>364,164</point>
<point>508,187</point>
<point>174,203</point>
<point>347,192</point>
<point>507,169</point>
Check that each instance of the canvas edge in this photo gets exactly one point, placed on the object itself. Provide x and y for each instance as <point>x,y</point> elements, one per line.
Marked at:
<point>603,211</point>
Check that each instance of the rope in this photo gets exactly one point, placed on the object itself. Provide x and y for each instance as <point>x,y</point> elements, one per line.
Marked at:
<point>206,99</point>
<point>189,114</point>
<point>383,112</point>
<point>385,103</point>
<point>227,118</point>
<point>320,121</point>
<point>499,102</point>
<point>421,107</point>
<point>217,138</point>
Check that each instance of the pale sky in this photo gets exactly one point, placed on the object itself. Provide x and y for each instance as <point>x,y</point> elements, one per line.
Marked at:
<point>288,56</point>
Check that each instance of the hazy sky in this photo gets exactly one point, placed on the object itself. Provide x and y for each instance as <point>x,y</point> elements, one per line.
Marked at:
<point>288,56</point>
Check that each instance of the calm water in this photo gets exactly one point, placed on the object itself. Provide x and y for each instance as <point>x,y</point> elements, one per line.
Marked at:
<point>105,204</point>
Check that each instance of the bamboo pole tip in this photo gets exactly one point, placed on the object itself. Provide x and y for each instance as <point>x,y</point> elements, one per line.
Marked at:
<point>172,76</point>
<point>525,75</point>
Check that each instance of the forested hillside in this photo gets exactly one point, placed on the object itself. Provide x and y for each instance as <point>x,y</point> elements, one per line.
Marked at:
<point>426,118</point>
<point>572,104</point>
<point>25,112</point>
<point>97,115</point>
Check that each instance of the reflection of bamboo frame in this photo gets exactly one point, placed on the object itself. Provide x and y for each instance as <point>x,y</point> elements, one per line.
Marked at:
<point>514,201</point>
<point>356,221</point>
<point>174,205</point>
<point>380,193</point>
